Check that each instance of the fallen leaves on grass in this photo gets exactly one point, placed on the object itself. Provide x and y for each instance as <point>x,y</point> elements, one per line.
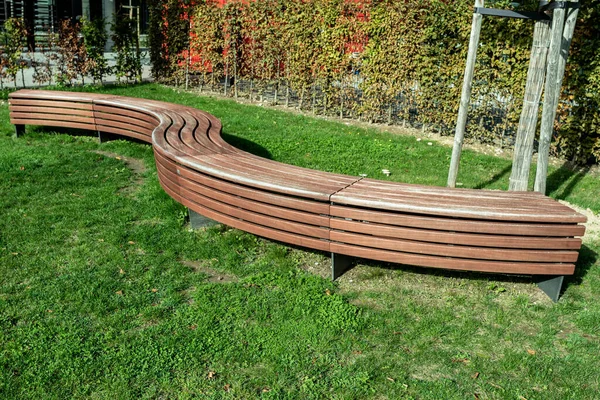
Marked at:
<point>531,352</point>
<point>211,374</point>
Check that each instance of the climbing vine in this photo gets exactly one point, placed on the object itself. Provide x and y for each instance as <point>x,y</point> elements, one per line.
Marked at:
<point>381,60</point>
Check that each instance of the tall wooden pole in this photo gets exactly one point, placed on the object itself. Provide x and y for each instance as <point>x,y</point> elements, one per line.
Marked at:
<point>519,177</point>
<point>559,52</point>
<point>465,97</point>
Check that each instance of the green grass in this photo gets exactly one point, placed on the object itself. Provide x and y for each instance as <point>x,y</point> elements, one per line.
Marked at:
<point>98,299</point>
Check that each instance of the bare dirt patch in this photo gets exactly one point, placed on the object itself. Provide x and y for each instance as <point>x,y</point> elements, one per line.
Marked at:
<point>214,276</point>
<point>134,164</point>
<point>592,226</point>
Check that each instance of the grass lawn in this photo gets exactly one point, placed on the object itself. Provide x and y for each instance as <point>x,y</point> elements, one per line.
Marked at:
<point>106,293</point>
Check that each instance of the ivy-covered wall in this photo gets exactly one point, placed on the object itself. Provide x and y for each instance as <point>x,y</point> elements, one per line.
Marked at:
<point>394,61</point>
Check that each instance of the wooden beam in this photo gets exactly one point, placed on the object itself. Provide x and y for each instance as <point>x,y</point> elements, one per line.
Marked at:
<point>465,97</point>
<point>562,34</point>
<point>519,177</point>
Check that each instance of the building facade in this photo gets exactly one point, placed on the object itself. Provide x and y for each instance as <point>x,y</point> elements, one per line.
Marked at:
<point>43,16</point>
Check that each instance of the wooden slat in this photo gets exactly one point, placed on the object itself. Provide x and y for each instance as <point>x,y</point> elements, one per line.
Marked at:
<point>267,232</point>
<point>51,110</point>
<point>458,225</point>
<point>445,250</point>
<point>465,239</point>
<point>478,199</point>
<point>106,118</point>
<point>50,104</point>
<point>245,203</point>
<point>454,263</point>
<point>123,127</point>
<point>236,189</point>
<point>140,117</point>
<point>425,207</point>
<point>258,220</point>
<point>125,133</point>
<point>46,122</point>
<point>53,117</point>
<point>250,216</point>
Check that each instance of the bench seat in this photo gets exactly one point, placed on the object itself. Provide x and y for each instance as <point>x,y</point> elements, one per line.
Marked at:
<point>458,229</point>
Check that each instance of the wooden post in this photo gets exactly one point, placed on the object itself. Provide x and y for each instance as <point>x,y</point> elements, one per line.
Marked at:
<point>559,52</point>
<point>465,97</point>
<point>519,177</point>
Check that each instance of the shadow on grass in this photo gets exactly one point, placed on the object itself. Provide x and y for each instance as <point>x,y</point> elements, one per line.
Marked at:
<point>587,259</point>
<point>106,137</point>
<point>565,173</point>
<point>498,176</point>
<point>247,145</point>
<point>53,130</point>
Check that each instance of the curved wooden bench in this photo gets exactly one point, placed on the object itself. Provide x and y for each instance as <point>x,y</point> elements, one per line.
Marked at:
<point>460,229</point>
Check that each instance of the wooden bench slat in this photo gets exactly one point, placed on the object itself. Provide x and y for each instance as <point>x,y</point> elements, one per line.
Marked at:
<point>130,134</point>
<point>315,207</point>
<point>458,238</point>
<point>108,119</point>
<point>47,122</point>
<point>425,207</point>
<point>51,110</point>
<point>508,267</point>
<point>52,117</point>
<point>224,167</point>
<point>491,198</point>
<point>244,203</point>
<point>246,215</point>
<point>260,230</point>
<point>49,104</point>
<point>445,250</point>
<point>458,225</point>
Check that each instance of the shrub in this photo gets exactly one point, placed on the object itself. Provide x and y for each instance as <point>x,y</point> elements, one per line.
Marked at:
<point>384,60</point>
<point>14,33</point>
<point>127,47</point>
<point>94,38</point>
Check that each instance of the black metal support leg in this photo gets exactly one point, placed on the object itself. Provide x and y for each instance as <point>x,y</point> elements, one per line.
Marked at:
<point>551,285</point>
<point>339,264</point>
<point>19,130</point>
<point>198,221</point>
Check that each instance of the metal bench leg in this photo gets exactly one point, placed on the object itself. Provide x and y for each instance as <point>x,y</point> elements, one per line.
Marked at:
<point>198,221</point>
<point>551,285</point>
<point>19,130</point>
<point>339,264</point>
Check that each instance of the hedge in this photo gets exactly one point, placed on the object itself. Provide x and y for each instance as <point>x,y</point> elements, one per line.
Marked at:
<point>381,60</point>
